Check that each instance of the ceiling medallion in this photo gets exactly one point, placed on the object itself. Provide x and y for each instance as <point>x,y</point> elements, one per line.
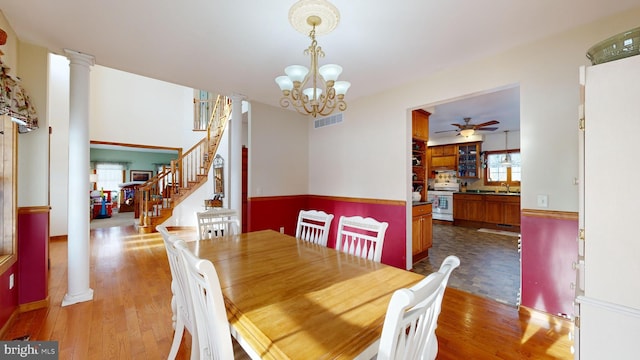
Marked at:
<point>303,9</point>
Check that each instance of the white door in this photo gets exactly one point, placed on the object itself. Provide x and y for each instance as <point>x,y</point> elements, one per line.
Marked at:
<point>609,309</point>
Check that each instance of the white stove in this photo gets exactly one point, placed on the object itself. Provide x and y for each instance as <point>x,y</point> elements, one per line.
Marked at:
<point>441,198</point>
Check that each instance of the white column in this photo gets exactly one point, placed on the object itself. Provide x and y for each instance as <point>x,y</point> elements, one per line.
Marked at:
<point>235,155</point>
<point>78,289</point>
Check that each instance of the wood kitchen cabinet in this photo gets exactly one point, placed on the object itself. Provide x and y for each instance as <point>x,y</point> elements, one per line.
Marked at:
<point>420,124</point>
<point>487,210</point>
<point>468,160</point>
<point>422,231</point>
<point>442,157</point>
<point>502,209</point>
<point>468,207</point>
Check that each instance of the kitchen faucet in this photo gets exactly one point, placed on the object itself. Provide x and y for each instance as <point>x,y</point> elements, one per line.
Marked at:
<point>506,186</point>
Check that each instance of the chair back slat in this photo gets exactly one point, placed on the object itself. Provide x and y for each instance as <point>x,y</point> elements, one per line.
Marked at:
<point>313,226</point>
<point>215,224</point>
<point>363,237</point>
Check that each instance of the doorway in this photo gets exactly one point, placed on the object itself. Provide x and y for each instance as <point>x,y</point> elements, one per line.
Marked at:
<point>490,260</point>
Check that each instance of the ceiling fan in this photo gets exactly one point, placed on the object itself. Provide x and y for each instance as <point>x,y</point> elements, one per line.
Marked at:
<point>468,129</point>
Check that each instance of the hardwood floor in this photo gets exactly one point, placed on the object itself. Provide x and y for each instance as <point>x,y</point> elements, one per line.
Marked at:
<point>130,315</point>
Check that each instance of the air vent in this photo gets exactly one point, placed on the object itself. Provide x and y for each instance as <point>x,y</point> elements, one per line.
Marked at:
<point>326,121</point>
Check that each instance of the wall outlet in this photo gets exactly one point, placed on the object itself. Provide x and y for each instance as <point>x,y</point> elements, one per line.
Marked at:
<point>543,201</point>
<point>11,282</point>
<point>282,229</point>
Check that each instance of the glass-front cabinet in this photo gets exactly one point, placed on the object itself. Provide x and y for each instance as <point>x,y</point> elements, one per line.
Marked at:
<point>469,160</point>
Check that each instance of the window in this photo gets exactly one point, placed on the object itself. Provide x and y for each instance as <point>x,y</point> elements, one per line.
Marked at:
<point>110,176</point>
<point>495,173</point>
<point>204,103</point>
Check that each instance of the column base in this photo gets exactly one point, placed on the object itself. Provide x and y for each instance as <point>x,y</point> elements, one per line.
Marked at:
<point>74,299</point>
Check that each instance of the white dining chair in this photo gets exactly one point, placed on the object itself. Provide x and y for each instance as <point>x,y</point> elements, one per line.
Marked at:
<point>313,226</point>
<point>181,303</point>
<point>409,330</point>
<point>214,336</point>
<point>363,237</point>
<point>212,224</point>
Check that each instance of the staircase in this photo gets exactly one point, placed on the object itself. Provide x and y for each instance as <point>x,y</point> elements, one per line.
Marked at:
<point>158,197</point>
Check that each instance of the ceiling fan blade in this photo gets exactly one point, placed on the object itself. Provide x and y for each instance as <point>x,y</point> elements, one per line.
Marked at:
<point>492,122</point>
<point>461,126</point>
<point>443,131</point>
<point>488,128</point>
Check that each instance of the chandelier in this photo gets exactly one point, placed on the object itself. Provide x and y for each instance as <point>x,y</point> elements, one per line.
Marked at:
<point>315,91</point>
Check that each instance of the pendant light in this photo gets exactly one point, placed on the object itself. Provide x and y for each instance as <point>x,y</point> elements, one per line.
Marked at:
<point>506,161</point>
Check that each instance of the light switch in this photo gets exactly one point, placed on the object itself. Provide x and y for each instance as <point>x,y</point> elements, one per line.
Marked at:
<point>543,201</point>
<point>11,282</point>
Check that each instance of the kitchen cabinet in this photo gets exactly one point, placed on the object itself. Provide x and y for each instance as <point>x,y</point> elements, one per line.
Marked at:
<point>420,124</point>
<point>462,158</point>
<point>442,157</point>
<point>468,160</point>
<point>468,207</point>
<point>494,211</point>
<point>422,231</point>
<point>502,209</point>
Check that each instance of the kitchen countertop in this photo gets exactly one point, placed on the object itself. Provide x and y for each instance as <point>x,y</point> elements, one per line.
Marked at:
<point>487,192</point>
<point>418,203</point>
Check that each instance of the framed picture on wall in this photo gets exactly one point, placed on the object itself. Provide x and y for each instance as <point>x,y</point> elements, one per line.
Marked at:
<point>140,175</point>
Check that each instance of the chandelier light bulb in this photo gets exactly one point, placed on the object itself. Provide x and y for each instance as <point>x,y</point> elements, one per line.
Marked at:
<point>341,87</point>
<point>308,92</point>
<point>330,72</point>
<point>296,72</point>
<point>284,82</point>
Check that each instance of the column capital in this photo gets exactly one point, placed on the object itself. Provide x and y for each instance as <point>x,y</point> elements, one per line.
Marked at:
<point>79,58</point>
<point>237,97</point>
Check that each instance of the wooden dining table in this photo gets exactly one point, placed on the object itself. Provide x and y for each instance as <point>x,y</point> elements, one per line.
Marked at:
<point>290,299</point>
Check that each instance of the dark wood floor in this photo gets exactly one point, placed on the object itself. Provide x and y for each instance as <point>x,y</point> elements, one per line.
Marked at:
<point>130,315</point>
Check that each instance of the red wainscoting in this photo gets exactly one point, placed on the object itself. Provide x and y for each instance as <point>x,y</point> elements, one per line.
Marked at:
<point>275,212</point>
<point>549,248</point>
<point>8,298</point>
<point>33,255</point>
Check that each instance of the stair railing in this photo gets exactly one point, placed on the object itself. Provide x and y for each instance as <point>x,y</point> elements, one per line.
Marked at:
<point>173,183</point>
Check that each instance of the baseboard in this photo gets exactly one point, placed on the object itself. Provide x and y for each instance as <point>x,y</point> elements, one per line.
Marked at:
<point>58,238</point>
<point>34,305</point>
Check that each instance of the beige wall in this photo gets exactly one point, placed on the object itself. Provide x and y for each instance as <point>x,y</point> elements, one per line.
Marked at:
<point>278,152</point>
<point>134,109</point>
<point>33,147</point>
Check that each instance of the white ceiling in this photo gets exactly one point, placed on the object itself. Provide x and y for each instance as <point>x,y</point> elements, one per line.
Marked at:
<point>240,46</point>
<point>502,105</point>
